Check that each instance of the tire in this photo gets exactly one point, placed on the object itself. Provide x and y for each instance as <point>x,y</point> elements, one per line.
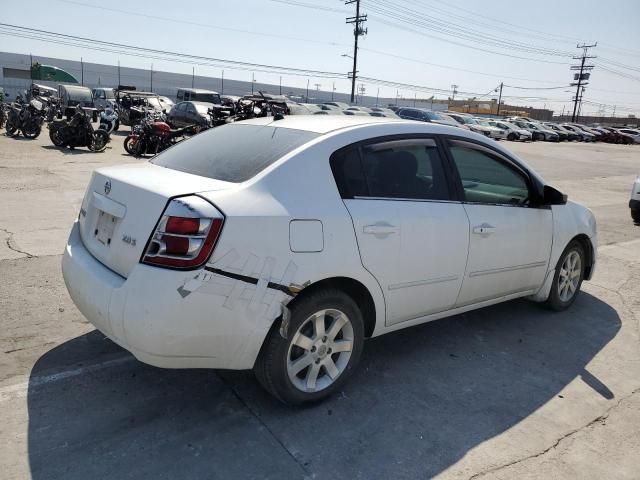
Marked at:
<point>563,294</point>
<point>99,142</point>
<point>55,137</point>
<point>278,356</point>
<point>32,134</point>
<point>11,129</point>
<point>511,136</point>
<point>116,126</point>
<point>635,215</point>
<point>127,144</point>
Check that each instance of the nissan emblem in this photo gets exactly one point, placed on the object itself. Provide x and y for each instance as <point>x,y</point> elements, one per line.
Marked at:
<point>107,187</point>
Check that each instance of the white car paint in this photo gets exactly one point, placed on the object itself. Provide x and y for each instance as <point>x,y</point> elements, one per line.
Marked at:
<point>634,201</point>
<point>287,228</point>
<point>510,128</point>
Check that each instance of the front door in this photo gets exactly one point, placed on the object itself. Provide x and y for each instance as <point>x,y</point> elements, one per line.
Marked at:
<point>412,237</point>
<point>510,238</point>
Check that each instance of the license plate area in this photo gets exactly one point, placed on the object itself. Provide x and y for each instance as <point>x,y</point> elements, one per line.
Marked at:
<point>105,226</point>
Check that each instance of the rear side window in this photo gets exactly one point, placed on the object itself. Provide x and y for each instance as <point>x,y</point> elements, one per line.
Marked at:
<point>233,153</point>
<point>399,169</point>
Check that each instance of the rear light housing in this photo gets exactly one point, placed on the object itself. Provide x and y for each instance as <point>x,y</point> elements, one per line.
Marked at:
<point>186,234</point>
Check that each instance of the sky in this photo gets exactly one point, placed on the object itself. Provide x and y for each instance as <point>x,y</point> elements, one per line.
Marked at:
<point>430,43</point>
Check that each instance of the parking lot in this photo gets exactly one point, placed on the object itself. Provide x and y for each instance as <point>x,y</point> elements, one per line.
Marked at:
<point>509,391</point>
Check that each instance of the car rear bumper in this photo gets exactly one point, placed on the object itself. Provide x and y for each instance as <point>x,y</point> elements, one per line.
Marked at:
<point>149,314</point>
<point>634,204</point>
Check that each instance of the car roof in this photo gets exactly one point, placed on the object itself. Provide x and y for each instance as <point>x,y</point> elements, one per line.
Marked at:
<point>197,90</point>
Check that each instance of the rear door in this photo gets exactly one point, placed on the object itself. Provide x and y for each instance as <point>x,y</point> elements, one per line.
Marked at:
<point>412,236</point>
<point>510,238</point>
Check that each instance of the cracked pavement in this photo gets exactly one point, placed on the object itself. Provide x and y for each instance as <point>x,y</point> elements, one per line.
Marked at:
<point>510,391</point>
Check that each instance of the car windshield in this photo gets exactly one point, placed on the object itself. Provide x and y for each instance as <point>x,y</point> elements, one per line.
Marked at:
<point>233,153</point>
<point>469,121</point>
<point>80,95</point>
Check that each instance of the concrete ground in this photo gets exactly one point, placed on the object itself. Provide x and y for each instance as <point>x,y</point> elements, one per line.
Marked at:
<point>510,391</point>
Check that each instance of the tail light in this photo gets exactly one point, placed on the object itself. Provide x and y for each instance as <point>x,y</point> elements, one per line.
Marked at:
<point>185,235</point>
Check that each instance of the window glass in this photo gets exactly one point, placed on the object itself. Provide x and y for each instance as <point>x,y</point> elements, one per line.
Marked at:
<point>348,174</point>
<point>182,107</point>
<point>485,179</point>
<point>234,152</point>
<point>405,169</point>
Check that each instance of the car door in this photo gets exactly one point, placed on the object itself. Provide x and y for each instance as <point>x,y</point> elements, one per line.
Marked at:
<point>412,236</point>
<point>510,237</point>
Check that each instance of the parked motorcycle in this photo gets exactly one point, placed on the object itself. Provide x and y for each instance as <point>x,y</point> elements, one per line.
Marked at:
<point>78,132</point>
<point>109,120</point>
<point>152,137</point>
<point>3,114</point>
<point>25,117</point>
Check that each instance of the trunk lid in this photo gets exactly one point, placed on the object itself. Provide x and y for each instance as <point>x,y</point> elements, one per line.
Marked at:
<point>123,204</point>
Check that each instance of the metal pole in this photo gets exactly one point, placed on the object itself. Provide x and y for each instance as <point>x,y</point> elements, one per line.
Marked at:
<point>31,67</point>
<point>81,72</point>
<point>307,101</point>
<point>119,82</point>
<point>280,84</point>
<point>193,76</point>
<point>377,96</point>
<point>356,34</point>
<point>253,80</point>
<point>415,96</point>
<point>499,100</point>
<point>151,89</point>
<point>575,103</point>
<point>333,90</point>
<point>222,86</point>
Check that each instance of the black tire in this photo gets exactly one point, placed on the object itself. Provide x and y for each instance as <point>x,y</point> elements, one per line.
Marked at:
<point>511,136</point>
<point>116,126</point>
<point>12,130</point>
<point>56,138</point>
<point>100,140</point>
<point>127,144</point>
<point>271,366</point>
<point>555,301</point>
<point>635,215</point>
<point>32,134</point>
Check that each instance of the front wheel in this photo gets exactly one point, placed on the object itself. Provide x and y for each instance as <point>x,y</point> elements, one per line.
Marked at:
<point>11,129</point>
<point>567,278</point>
<point>99,141</point>
<point>32,131</point>
<point>116,126</point>
<point>324,341</point>
<point>130,142</point>
<point>56,137</point>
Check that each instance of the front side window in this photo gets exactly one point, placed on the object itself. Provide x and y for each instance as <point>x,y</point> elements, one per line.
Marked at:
<point>486,178</point>
<point>400,169</point>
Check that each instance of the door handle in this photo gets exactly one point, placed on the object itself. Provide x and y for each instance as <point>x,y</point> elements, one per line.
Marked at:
<point>484,229</point>
<point>380,229</point>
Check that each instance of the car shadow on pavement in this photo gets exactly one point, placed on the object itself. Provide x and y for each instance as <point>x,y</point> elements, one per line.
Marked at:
<point>420,400</point>
<point>69,151</point>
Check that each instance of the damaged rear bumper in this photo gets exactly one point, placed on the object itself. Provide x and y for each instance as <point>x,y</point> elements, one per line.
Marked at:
<point>169,318</point>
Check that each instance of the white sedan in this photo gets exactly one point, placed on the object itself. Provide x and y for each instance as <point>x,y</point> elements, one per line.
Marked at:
<point>280,245</point>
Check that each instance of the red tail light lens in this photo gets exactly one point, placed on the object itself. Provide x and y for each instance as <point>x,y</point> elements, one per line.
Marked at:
<point>186,234</point>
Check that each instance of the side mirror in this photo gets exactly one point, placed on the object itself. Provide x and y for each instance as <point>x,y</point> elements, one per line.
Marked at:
<point>551,196</point>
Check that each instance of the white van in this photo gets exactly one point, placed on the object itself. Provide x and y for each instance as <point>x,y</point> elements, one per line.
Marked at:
<point>198,95</point>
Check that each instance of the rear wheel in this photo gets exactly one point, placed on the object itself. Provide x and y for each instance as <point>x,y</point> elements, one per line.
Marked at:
<point>32,131</point>
<point>511,136</point>
<point>567,278</point>
<point>56,137</point>
<point>116,126</point>
<point>130,143</point>
<point>324,341</point>
<point>11,128</point>
<point>635,214</point>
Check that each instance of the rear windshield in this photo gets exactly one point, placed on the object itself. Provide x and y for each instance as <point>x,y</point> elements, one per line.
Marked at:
<point>233,153</point>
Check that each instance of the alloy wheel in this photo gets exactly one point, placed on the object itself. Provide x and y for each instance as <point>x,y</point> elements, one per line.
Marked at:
<point>320,350</point>
<point>569,278</point>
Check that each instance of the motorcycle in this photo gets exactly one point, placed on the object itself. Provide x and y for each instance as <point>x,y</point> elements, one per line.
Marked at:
<point>3,114</point>
<point>25,117</point>
<point>152,137</point>
<point>78,132</point>
<point>109,120</point>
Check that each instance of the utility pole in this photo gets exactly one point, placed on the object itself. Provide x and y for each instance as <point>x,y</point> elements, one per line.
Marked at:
<point>358,31</point>
<point>119,82</point>
<point>581,77</point>
<point>222,84</point>
<point>377,96</point>
<point>454,89</point>
<point>333,91</point>
<point>499,99</point>
<point>415,97</point>
<point>280,84</point>
<point>307,101</point>
<point>580,105</point>
<point>253,80</point>
<point>151,76</point>
<point>193,76</point>
<point>81,72</point>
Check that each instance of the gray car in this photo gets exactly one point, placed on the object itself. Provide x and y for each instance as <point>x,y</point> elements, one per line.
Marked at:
<point>190,113</point>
